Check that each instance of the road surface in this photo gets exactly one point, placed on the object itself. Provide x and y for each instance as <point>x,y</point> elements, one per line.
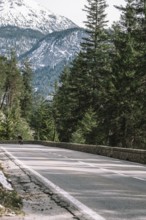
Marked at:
<point>104,188</point>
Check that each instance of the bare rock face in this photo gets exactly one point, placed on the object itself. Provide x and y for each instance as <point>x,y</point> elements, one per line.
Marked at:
<point>48,41</point>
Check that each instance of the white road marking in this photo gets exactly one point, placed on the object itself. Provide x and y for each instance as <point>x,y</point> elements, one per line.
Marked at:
<point>107,170</point>
<point>93,165</point>
<point>80,206</point>
<point>139,178</point>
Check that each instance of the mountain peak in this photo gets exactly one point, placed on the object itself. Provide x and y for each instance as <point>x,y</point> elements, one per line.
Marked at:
<point>29,14</point>
<point>20,5</point>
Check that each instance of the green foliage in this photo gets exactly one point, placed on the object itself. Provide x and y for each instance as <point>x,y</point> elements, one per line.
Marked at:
<point>10,200</point>
<point>125,118</point>
<point>12,121</point>
<point>64,103</point>
<point>86,128</point>
<point>101,99</point>
<point>81,87</point>
<point>23,128</point>
<point>78,137</point>
<point>43,122</point>
<point>12,125</point>
<point>27,93</point>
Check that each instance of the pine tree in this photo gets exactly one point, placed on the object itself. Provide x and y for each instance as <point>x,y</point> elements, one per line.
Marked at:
<point>12,123</point>
<point>13,82</point>
<point>140,36</point>
<point>27,94</point>
<point>95,47</point>
<point>83,86</point>
<point>86,129</point>
<point>63,105</point>
<point>124,97</point>
<point>3,66</point>
<point>43,122</point>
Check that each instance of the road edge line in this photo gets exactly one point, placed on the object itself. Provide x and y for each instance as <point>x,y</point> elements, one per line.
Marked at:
<point>86,212</point>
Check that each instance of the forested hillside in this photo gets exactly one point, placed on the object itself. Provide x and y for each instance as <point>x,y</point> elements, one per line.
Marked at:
<point>16,99</point>
<point>100,98</point>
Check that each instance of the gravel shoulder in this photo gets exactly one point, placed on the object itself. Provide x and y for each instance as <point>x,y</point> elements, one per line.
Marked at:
<point>39,203</point>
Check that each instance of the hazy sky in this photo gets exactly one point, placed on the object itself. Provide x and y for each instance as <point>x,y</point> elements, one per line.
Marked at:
<point>72,9</point>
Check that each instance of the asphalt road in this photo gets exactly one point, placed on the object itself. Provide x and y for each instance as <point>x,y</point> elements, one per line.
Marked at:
<point>109,189</point>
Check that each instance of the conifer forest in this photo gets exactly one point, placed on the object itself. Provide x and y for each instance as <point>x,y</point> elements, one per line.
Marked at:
<point>100,98</point>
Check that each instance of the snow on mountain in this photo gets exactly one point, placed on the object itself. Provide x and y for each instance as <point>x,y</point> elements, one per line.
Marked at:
<point>47,40</point>
<point>55,46</point>
<point>29,14</point>
<point>50,54</point>
<point>17,39</point>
